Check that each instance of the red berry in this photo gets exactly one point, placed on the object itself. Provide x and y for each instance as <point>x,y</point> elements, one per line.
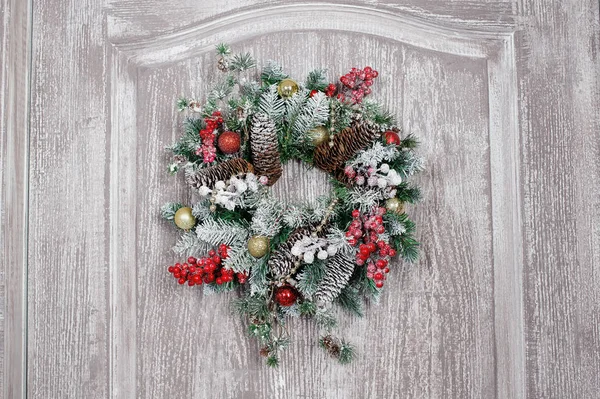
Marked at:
<point>372,247</point>
<point>171,269</point>
<point>192,269</point>
<point>177,275</point>
<point>313,92</point>
<point>191,260</point>
<point>392,252</point>
<point>181,280</point>
<point>196,278</point>
<point>211,253</point>
<point>381,263</point>
<point>386,270</point>
<point>378,276</point>
<point>355,213</point>
<point>191,283</point>
<point>219,280</point>
<point>379,284</point>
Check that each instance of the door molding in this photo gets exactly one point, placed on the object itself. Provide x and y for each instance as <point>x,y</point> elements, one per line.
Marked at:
<point>494,45</point>
<point>14,193</point>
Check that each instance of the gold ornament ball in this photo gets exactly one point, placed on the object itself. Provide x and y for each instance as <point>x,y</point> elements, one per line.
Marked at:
<point>287,88</point>
<point>184,218</point>
<point>394,205</point>
<point>319,135</point>
<point>258,246</point>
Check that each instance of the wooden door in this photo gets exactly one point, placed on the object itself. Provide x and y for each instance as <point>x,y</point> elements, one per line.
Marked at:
<point>504,300</point>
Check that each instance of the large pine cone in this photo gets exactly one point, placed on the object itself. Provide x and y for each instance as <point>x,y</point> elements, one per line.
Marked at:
<point>281,261</point>
<point>265,148</point>
<point>346,144</point>
<point>339,270</point>
<point>219,172</point>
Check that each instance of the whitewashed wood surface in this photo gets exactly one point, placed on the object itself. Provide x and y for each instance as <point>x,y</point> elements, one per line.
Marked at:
<point>505,300</point>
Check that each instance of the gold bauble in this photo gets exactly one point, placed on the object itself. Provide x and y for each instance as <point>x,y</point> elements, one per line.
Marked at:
<point>184,218</point>
<point>318,135</point>
<point>394,205</point>
<point>258,246</point>
<point>287,88</point>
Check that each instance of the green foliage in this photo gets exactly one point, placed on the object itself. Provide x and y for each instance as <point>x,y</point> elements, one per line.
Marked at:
<point>169,209</point>
<point>374,112</point>
<point>273,361</point>
<point>310,277</point>
<point>347,352</point>
<point>272,73</point>
<point>271,104</point>
<point>242,62</point>
<point>307,308</point>
<point>223,49</point>
<point>219,231</point>
<point>317,80</point>
<point>325,319</point>
<point>405,244</point>
<point>255,307</point>
<point>349,299</point>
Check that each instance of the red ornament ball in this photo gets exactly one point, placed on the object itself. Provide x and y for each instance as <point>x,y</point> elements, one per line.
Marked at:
<point>229,142</point>
<point>391,137</point>
<point>286,296</point>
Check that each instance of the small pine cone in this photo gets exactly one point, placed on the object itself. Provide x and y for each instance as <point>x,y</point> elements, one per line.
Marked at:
<point>264,351</point>
<point>219,172</point>
<point>265,148</point>
<point>345,145</point>
<point>339,269</point>
<point>331,345</point>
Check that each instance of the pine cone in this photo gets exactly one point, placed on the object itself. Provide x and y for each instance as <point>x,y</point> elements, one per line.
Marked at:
<point>331,345</point>
<point>265,148</point>
<point>281,261</point>
<point>222,171</point>
<point>345,145</point>
<point>338,273</point>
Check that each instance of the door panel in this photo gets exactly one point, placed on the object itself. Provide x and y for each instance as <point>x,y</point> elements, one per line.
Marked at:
<point>439,87</point>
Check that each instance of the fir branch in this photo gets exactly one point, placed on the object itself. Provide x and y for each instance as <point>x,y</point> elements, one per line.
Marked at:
<point>349,299</point>
<point>201,210</point>
<point>216,232</point>
<point>258,277</point>
<point>239,259</point>
<point>272,73</point>
<point>255,307</point>
<point>223,49</point>
<point>410,141</point>
<point>190,245</point>
<point>315,112</point>
<point>182,104</point>
<point>271,104</point>
<point>347,352</point>
<point>325,319</point>
<point>310,277</point>
<point>266,220</point>
<point>317,80</point>
<point>374,112</point>
<point>375,155</point>
<point>273,361</point>
<point>307,308</point>
<point>242,62</point>
<point>168,210</point>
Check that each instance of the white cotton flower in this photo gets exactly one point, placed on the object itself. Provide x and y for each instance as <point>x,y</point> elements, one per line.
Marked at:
<point>220,185</point>
<point>385,168</point>
<point>331,250</point>
<point>322,255</point>
<point>230,205</point>
<point>204,191</point>
<point>394,178</point>
<point>240,186</point>
<point>296,251</point>
<point>382,183</point>
<point>309,257</point>
<point>392,193</point>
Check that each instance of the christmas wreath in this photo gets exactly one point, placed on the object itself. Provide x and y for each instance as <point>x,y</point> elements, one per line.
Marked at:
<point>292,260</point>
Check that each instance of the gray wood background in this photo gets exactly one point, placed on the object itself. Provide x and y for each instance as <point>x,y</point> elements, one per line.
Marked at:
<point>505,301</point>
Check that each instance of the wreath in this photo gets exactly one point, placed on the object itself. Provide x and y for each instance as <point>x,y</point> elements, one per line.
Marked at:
<point>292,260</point>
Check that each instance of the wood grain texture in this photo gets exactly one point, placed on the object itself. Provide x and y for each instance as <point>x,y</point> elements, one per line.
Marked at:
<point>560,120</point>
<point>15,50</point>
<point>506,100</point>
<point>68,230</point>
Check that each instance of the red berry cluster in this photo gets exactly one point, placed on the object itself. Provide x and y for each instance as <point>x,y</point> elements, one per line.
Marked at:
<point>207,270</point>
<point>358,83</point>
<point>208,149</point>
<point>330,90</point>
<point>372,251</point>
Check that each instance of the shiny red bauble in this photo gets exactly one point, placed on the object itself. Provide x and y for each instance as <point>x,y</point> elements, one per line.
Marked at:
<point>391,137</point>
<point>229,142</point>
<point>286,296</point>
